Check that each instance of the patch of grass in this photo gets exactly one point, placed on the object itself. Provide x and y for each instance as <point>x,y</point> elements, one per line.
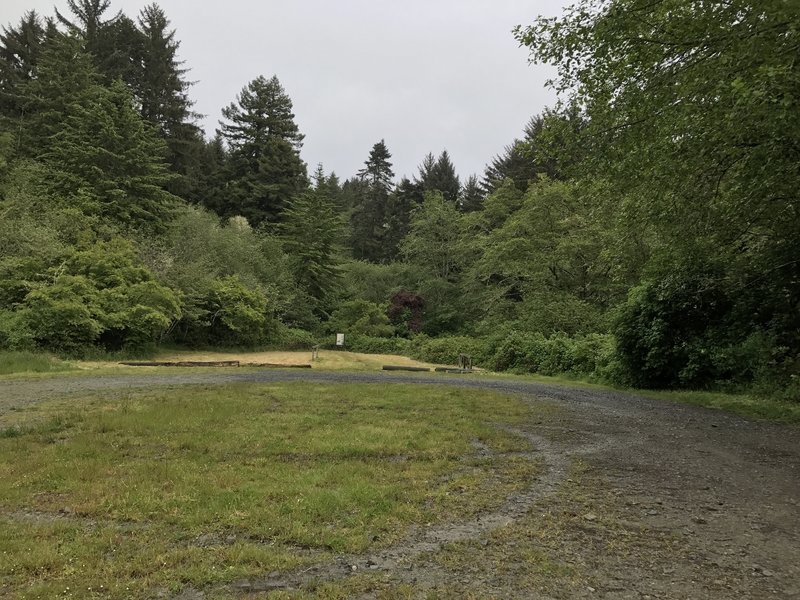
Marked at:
<point>745,405</point>
<point>156,490</point>
<point>751,406</point>
<point>31,362</point>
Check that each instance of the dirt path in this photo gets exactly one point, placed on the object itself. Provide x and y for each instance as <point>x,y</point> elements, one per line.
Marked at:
<point>640,499</point>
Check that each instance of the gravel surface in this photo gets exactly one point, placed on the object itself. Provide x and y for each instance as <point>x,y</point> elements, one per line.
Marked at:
<point>643,499</point>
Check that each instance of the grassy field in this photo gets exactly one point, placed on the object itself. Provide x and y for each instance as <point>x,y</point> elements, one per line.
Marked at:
<point>136,494</point>
<point>30,362</point>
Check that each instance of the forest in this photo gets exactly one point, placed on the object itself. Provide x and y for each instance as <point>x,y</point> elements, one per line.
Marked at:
<point>643,231</point>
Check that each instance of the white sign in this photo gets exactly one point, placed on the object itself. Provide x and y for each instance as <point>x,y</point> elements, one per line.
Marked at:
<point>340,339</point>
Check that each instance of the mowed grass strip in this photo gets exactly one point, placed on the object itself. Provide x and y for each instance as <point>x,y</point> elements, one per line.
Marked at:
<point>133,494</point>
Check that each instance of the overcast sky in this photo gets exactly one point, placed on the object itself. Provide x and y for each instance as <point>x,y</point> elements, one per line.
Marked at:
<point>422,74</point>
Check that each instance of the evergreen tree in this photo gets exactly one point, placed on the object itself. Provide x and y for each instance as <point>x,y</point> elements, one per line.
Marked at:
<point>310,232</point>
<point>63,76</point>
<point>471,198</point>
<point>20,48</point>
<point>264,167</point>
<point>102,158</point>
<point>163,94</point>
<point>377,169</point>
<point>88,22</point>
<point>439,175</point>
<point>402,202</point>
<point>210,177</point>
<point>522,161</point>
<point>367,220</point>
<point>106,157</point>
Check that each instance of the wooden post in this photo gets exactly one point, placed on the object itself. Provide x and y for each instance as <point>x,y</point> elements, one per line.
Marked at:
<point>465,362</point>
<point>315,352</point>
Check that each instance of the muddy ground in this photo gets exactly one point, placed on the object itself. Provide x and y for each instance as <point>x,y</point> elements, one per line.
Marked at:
<point>638,498</point>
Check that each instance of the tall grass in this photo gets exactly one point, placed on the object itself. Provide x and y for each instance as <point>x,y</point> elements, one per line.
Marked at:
<point>31,362</point>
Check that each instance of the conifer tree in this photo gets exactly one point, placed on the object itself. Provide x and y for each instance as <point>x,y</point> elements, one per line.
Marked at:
<point>264,166</point>
<point>402,202</point>
<point>471,198</point>
<point>102,158</point>
<point>88,21</point>
<point>162,91</point>
<point>516,162</point>
<point>20,48</point>
<point>439,175</point>
<point>367,220</point>
<point>210,176</point>
<point>311,230</point>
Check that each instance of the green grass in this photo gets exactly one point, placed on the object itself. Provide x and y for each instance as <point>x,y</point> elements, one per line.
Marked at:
<point>745,405</point>
<point>748,405</point>
<point>31,362</point>
<point>127,495</point>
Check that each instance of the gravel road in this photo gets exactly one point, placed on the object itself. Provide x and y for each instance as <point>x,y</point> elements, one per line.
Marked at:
<point>708,503</point>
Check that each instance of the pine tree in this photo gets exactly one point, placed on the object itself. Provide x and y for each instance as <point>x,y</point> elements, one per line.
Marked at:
<point>439,175</point>
<point>310,232</point>
<point>518,161</point>
<point>20,48</point>
<point>162,91</point>
<point>471,198</point>
<point>210,176</point>
<point>264,167</point>
<point>110,161</point>
<point>367,220</point>
<point>88,19</point>
<point>102,158</point>
<point>64,73</point>
<point>377,169</point>
<point>402,202</point>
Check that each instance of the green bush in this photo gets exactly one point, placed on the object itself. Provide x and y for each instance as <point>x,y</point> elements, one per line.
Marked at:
<point>373,345</point>
<point>670,331</point>
<point>361,317</point>
<point>234,314</point>
<point>445,350</point>
<point>63,316</point>
<point>591,355</point>
<point>101,294</point>
<point>14,331</point>
<point>290,338</point>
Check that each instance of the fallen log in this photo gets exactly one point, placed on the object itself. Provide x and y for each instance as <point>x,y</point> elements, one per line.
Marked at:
<point>276,366</point>
<point>182,363</point>
<point>404,368</point>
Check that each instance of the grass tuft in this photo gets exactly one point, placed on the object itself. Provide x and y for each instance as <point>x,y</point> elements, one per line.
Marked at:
<point>31,362</point>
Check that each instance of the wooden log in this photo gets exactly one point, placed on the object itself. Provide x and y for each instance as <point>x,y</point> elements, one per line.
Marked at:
<point>452,370</point>
<point>183,363</point>
<point>276,366</point>
<point>404,368</point>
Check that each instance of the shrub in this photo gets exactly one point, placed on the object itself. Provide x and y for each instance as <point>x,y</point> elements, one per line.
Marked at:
<point>290,338</point>
<point>235,315</point>
<point>592,355</point>
<point>14,331</point>
<point>63,316</point>
<point>361,317</point>
<point>373,345</point>
<point>667,330</point>
<point>445,350</point>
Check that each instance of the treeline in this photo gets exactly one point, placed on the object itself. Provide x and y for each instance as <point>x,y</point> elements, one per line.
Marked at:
<point>642,232</point>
